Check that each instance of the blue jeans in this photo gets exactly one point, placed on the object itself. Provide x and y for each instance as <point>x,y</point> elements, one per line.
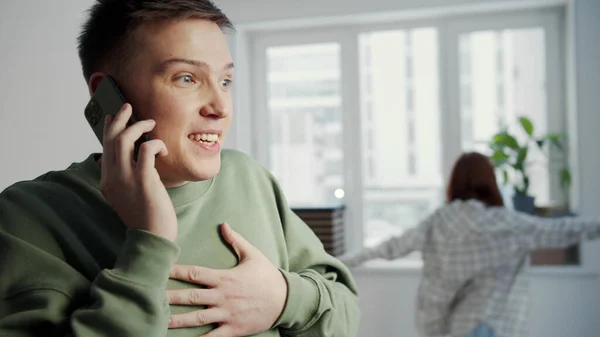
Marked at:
<point>482,330</point>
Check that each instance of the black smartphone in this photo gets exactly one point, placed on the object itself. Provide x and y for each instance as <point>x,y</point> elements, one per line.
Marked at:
<point>108,100</point>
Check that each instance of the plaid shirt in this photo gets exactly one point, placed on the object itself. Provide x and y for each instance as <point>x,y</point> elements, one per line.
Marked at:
<point>473,257</point>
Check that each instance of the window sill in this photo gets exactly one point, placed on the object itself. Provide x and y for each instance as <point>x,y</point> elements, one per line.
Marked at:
<point>397,267</point>
<point>561,272</point>
<point>409,267</point>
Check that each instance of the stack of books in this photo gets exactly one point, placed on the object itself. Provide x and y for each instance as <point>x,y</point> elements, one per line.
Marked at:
<point>327,223</point>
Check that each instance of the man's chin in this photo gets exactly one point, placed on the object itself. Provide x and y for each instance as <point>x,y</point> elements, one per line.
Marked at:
<point>198,170</point>
<point>206,171</point>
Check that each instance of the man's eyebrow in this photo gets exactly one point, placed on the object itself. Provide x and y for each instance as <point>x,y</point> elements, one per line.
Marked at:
<point>195,63</point>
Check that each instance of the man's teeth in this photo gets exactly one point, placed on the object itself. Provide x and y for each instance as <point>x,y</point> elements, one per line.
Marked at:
<point>204,137</point>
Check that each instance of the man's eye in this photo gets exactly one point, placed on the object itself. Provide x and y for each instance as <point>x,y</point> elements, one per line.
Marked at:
<point>226,83</point>
<point>186,79</point>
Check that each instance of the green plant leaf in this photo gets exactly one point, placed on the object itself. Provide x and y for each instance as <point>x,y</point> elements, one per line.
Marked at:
<point>506,139</point>
<point>522,155</point>
<point>525,184</point>
<point>555,139</point>
<point>496,146</point>
<point>505,176</point>
<point>527,125</point>
<point>540,143</point>
<point>519,164</point>
<point>499,158</point>
<point>565,178</point>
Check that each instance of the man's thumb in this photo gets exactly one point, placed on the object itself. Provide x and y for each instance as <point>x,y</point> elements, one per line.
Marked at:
<point>241,247</point>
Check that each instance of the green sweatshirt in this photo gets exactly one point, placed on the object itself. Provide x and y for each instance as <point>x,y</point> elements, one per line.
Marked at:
<point>69,267</point>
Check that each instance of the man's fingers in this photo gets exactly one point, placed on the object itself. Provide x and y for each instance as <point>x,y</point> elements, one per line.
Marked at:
<point>242,248</point>
<point>195,274</point>
<point>108,155</point>
<point>222,331</point>
<point>148,152</point>
<point>107,123</point>
<point>197,318</point>
<point>118,123</point>
<point>125,142</point>
<point>208,297</point>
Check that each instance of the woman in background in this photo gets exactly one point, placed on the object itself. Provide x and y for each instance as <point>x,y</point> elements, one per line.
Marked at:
<point>474,251</point>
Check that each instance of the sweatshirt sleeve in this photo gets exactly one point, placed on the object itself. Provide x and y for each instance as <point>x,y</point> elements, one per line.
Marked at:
<point>393,248</point>
<point>322,295</point>
<point>42,295</point>
<point>535,232</point>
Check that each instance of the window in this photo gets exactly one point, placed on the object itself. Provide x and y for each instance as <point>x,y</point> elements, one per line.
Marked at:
<point>400,114</point>
<point>382,111</point>
<point>304,103</point>
<point>502,77</point>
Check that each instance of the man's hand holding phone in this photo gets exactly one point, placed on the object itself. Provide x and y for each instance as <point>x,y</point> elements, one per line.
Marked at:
<point>133,188</point>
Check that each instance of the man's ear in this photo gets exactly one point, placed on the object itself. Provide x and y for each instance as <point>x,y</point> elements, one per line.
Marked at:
<point>95,80</point>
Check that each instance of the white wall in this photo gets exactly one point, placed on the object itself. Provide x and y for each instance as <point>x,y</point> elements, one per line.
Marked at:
<point>585,71</point>
<point>562,305</point>
<point>42,91</point>
<point>268,10</point>
<point>42,95</point>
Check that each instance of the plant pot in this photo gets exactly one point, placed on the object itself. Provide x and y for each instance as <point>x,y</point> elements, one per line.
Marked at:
<point>524,203</point>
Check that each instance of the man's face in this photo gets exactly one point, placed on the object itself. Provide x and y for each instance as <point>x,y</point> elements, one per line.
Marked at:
<point>180,76</point>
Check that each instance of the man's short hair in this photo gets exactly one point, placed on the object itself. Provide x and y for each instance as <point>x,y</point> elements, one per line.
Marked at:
<point>106,37</point>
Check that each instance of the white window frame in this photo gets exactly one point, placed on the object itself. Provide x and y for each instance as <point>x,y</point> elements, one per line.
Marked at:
<point>250,45</point>
<point>550,21</point>
<point>350,107</point>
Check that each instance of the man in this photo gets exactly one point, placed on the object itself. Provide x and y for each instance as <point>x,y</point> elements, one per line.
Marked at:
<point>187,240</point>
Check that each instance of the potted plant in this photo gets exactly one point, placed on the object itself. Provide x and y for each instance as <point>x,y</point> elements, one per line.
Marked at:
<point>511,157</point>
